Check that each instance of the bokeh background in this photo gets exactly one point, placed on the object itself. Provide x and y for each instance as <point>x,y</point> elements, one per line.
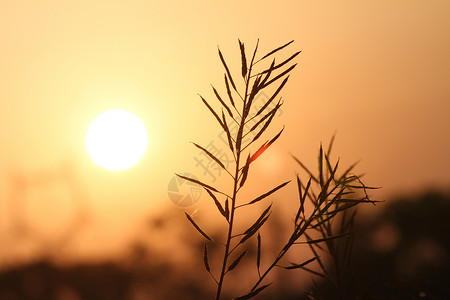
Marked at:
<point>376,73</point>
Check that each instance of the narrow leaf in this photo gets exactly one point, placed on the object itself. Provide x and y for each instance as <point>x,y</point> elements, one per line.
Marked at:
<point>313,272</point>
<point>344,200</point>
<point>210,155</point>
<point>322,266</point>
<point>364,187</point>
<point>255,227</point>
<point>268,71</point>
<point>279,76</point>
<point>245,171</point>
<point>333,201</point>
<point>227,131</point>
<point>198,228</point>
<point>305,168</point>
<point>327,160</point>
<point>264,147</point>
<point>302,201</point>
<point>244,60</point>
<point>344,175</point>
<point>283,83</point>
<point>254,53</point>
<point>239,138</point>
<point>228,90</point>
<point>227,70</point>
<point>268,193</point>
<point>236,261</point>
<point>213,112</point>
<point>271,112</point>
<point>205,259</point>
<point>330,146</point>
<point>253,294</point>
<point>282,63</point>
<point>342,208</point>
<point>321,165</point>
<point>219,206</point>
<point>277,49</point>
<point>221,101</point>
<point>325,220</point>
<point>254,91</point>
<point>258,253</point>
<point>296,266</point>
<point>275,138</point>
<point>301,209</point>
<point>227,209</point>
<point>258,152</point>
<point>264,127</point>
<point>326,239</point>
<point>323,195</point>
<point>198,182</point>
<point>302,198</point>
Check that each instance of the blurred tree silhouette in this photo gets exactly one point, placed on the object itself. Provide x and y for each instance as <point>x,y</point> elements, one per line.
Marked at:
<point>403,252</point>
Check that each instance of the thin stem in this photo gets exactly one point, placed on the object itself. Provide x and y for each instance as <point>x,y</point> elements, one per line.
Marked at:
<point>248,145</point>
<point>229,173</point>
<point>237,123</point>
<point>230,228</point>
<point>236,182</point>
<point>212,276</point>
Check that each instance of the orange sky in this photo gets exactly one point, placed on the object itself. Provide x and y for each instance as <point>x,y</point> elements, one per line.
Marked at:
<point>376,72</point>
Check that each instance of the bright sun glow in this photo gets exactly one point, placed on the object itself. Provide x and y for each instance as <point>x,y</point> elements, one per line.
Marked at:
<point>116,140</point>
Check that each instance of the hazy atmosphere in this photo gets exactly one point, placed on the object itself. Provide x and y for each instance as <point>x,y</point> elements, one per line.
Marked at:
<point>373,73</point>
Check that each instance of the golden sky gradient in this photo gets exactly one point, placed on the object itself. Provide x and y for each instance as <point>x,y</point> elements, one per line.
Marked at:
<point>375,72</point>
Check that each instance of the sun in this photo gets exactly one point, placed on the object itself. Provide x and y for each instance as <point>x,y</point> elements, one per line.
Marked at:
<point>116,140</point>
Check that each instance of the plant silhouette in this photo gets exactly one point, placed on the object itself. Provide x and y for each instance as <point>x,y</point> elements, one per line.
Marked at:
<point>334,194</point>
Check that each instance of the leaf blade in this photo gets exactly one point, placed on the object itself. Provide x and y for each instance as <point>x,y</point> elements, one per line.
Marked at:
<point>282,63</point>
<point>266,124</point>
<point>212,111</point>
<point>258,223</point>
<point>268,193</point>
<point>279,76</point>
<point>274,95</point>
<point>228,90</point>
<point>245,171</point>
<point>253,294</point>
<point>227,70</point>
<point>297,266</point>
<point>243,59</point>
<point>236,261</point>
<point>217,203</point>
<point>258,253</point>
<point>205,259</point>
<point>211,155</point>
<point>198,182</point>
<point>197,227</point>
<point>227,131</point>
<point>277,49</point>
<point>221,101</point>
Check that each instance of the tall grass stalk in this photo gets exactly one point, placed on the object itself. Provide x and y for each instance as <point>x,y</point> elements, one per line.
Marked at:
<point>257,74</point>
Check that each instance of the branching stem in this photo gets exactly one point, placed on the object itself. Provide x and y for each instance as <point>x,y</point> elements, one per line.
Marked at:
<point>236,187</point>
